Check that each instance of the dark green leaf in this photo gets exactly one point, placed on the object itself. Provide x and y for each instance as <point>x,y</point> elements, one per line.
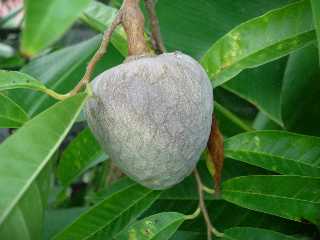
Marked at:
<point>261,87</point>
<point>119,185</point>
<point>292,197</point>
<point>46,21</point>
<point>111,215</point>
<point>24,155</point>
<point>278,151</point>
<point>229,123</point>
<point>316,18</point>
<point>248,233</point>
<point>262,122</point>
<point>11,114</point>
<point>205,21</point>
<point>300,92</point>
<point>186,235</point>
<point>259,41</point>
<point>57,219</point>
<point>160,226</point>
<point>82,153</point>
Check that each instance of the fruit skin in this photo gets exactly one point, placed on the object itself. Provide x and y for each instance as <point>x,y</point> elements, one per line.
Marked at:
<point>153,115</point>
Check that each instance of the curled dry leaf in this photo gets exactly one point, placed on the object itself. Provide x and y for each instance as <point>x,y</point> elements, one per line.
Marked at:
<point>215,154</point>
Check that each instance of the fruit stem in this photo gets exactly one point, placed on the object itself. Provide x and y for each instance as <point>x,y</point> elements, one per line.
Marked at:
<point>133,24</point>
<point>132,20</point>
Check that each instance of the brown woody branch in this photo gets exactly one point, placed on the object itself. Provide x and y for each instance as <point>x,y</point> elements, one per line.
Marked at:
<point>157,42</point>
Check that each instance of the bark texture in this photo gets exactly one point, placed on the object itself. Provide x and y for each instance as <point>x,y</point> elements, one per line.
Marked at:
<point>153,115</point>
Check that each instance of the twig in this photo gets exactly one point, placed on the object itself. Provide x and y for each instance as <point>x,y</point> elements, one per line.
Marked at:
<point>202,204</point>
<point>210,229</point>
<point>157,42</point>
<point>98,55</point>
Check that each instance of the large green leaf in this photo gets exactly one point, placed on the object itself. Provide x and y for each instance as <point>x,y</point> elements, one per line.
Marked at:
<point>261,87</point>
<point>24,155</point>
<point>57,219</point>
<point>278,151</point>
<point>316,18</point>
<point>187,235</point>
<point>111,215</point>
<point>46,21</point>
<point>67,67</point>
<point>260,40</point>
<point>205,21</point>
<point>13,80</point>
<point>11,114</point>
<point>82,153</point>
<point>300,92</point>
<point>229,123</point>
<point>249,233</point>
<point>292,197</point>
<point>262,122</point>
<point>100,16</point>
<point>160,226</point>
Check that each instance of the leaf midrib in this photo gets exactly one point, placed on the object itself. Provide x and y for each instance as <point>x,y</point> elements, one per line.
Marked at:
<point>271,196</point>
<point>270,156</point>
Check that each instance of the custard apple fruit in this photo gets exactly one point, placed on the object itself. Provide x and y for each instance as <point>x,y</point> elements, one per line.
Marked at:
<point>152,115</point>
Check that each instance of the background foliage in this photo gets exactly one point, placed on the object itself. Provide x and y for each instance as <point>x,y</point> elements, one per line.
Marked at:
<point>263,60</point>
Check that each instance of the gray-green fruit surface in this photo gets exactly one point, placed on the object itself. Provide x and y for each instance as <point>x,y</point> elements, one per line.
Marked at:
<point>153,117</point>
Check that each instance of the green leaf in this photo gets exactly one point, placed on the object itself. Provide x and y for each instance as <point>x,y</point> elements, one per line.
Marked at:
<point>13,80</point>
<point>46,21</point>
<point>316,18</point>
<point>160,226</point>
<point>292,197</point>
<point>67,67</point>
<point>82,153</point>
<point>249,233</point>
<point>261,87</point>
<point>278,151</point>
<point>300,92</point>
<point>205,21</point>
<point>262,122</point>
<point>11,114</point>
<point>260,40</point>
<point>100,16</point>
<point>231,124</point>
<point>111,215</point>
<point>187,235</point>
<point>57,219</point>
<point>24,155</point>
